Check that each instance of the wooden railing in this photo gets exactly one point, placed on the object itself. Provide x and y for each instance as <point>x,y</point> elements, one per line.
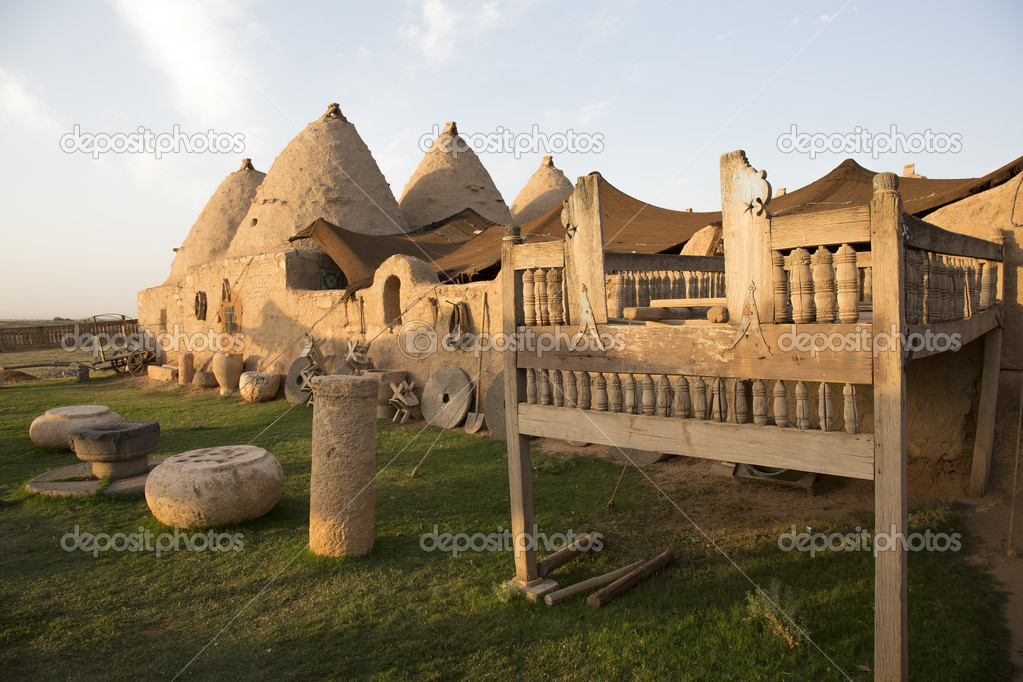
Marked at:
<point>50,336</point>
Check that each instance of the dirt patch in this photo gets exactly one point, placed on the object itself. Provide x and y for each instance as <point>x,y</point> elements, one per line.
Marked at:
<point>13,375</point>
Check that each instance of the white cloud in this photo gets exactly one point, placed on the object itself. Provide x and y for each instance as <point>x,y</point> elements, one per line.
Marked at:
<point>588,112</point>
<point>443,27</point>
<point>722,36</point>
<point>824,18</point>
<point>191,43</point>
<point>20,105</point>
<point>794,21</point>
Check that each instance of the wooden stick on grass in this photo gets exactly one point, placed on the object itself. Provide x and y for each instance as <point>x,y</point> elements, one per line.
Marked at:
<point>566,554</point>
<point>583,586</point>
<point>603,596</point>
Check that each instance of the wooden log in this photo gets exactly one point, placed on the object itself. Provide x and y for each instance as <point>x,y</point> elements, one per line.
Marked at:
<point>552,598</point>
<point>656,314</point>
<point>694,302</point>
<point>606,594</point>
<point>549,564</point>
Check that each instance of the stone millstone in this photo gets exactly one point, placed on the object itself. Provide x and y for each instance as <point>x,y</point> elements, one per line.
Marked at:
<point>215,487</point>
<point>53,429</point>
<point>117,449</point>
<point>493,407</point>
<point>446,398</point>
<point>293,382</point>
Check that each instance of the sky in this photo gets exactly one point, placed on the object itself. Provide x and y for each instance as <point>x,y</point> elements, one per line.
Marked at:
<point>648,93</point>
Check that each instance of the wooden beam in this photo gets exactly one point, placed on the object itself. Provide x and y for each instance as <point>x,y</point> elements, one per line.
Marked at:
<point>824,452</point>
<point>924,235</point>
<point>964,331</point>
<point>746,230</point>
<point>629,580</point>
<point>703,350</point>
<point>688,302</point>
<point>891,661</point>
<point>555,561</point>
<point>984,441</point>
<point>840,226</point>
<point>662,261</point>
<point>520,474</point>
<point>599,581</point>
<point>538,255</point>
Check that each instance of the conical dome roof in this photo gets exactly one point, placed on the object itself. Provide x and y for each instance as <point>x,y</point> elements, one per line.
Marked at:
<point>214,229</point>
<point>326,172</point>
<point>451,178</point>
<point>547,188</point>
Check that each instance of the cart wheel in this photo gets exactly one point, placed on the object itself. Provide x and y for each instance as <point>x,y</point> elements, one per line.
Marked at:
<point>118,365</point>
<point>137,363</point>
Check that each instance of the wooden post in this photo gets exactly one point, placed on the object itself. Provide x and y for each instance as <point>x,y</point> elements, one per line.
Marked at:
<point>584,250</point>
<point>891,660</point>
<point>520,475</point>
<point>746,228</point>
<point>984,440</point>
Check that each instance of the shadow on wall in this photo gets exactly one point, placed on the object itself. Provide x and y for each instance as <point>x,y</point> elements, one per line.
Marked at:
<point>392,302</point>
<point>281,334</point>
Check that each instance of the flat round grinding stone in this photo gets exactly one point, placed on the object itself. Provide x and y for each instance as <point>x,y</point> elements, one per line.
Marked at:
<point>493,407</point>
<point>446,398</point>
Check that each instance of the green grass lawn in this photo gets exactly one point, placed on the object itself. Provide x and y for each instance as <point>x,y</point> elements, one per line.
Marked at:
<point>274,610</point>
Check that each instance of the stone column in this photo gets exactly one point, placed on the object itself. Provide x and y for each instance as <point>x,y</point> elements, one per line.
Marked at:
<point>341,491</point>
<point>186,368</point>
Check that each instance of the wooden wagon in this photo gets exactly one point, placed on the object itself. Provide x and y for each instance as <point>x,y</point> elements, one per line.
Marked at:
<point>723,391</point>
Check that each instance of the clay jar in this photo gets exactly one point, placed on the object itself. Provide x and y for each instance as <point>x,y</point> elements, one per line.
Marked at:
<point>227,368</point>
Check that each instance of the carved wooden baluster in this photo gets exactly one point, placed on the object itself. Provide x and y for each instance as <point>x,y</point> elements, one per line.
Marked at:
<point>545,387</point>
<point>782,306</point>
<point>847,279</point>
<point>962,305</point>
<point>649,401</point>
<point>559,388</point>
<point>584,400</point>
<point>694,285</point>
<point>824,297</point>
<point>781,405</point>
<point>683,280</point>
<point>941,284</point>
<point>529,297</point>
<point>571,393</point>
<point>802,406</point>
<point>987,284</point>
<point>663,396</point>
<point>643,290</point>
<point>672,284</point>
<point>614,393</point>
<point>699,395</point>
<point>680,404</point>
<point>543,312</point>
<point>555,286</point>
<point>618,295</point>
<point>759,402</point>
<point>718,400</point>
<point>629,402</point>
<point>971,287</point>
<point>850,413</point>
<point>930,312</point>
<point>530,387</point>
<point>825,411</point>
<point>666,285</point>
<point>867,291</point>
<point>739,406</point>
<point>600,393</point>
<point>803,311</point>
<point>910,285</point>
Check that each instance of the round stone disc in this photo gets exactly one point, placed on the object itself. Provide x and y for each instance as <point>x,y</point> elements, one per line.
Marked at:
<point>446,398</point>
<point>493,407</point>
<point>293,382</point>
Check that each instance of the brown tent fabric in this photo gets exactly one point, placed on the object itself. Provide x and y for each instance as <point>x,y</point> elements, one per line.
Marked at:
<point>466,243</point>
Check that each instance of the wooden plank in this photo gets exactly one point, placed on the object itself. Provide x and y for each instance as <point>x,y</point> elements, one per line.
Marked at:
<point>703,350</point>
<point>840,226</point>
<point>538,255</point>
<point>662,261</point>
<point>599,581</point>
<point>630,580</point>
<point>891,661</point>
<point>962,331</point>
<point>584,250</point>
<point>520,474</point>
<point>825,452</point>
<point>746,230</point>
<point>656,314</point>
<point>688,302</point>
<point>924,235</point>
<point>984,441</point>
